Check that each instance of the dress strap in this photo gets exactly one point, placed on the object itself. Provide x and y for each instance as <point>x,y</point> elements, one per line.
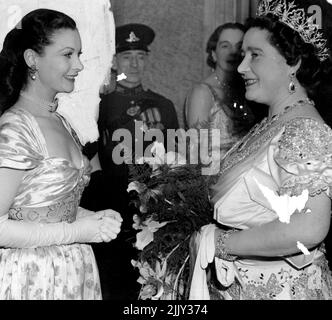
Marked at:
<point>212,91</point>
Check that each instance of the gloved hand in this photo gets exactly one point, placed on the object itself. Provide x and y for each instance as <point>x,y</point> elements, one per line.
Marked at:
<point>111,225</point>
<point>96,227</point>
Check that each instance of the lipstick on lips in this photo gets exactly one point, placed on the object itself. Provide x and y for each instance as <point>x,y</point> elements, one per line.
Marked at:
<point>71,77</point>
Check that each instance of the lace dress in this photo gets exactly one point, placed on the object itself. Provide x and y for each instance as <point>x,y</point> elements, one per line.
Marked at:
<point>50,192</point>
<point>289,156</point>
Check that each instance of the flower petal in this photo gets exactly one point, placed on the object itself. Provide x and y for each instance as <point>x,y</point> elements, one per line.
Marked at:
<point>158,150</point>
<point>136,186</point>
<point>143,238</point>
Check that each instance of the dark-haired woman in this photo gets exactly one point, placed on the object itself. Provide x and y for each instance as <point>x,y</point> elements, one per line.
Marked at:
<point>218,101</point>
<point>273,196</point>
<point>42,170</point>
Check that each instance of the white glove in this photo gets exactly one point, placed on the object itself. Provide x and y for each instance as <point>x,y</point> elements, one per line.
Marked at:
<point>111,226</point>
<point>205,255</point>
<point>96,227</point>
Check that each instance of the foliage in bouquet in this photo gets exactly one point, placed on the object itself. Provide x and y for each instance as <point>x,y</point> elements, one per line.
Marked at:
<point>173,202</point>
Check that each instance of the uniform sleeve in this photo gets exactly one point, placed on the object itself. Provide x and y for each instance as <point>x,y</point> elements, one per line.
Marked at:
<point>18,144</point>
<point>304,157</point>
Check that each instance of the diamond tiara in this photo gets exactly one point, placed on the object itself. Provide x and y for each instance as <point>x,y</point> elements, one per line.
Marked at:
<point>297,20</point>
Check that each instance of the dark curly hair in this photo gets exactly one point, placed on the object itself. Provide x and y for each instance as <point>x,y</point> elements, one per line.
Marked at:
<point>34,31</point>
<point>312,72</point>
<point>213,40</point>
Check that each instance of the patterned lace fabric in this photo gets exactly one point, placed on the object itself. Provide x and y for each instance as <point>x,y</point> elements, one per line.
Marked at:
<point>305,152</point>
<point>278,282</point>
<point>50,192</point>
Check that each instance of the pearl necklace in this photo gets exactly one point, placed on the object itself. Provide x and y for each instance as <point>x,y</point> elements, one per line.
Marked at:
<point>52,106</point>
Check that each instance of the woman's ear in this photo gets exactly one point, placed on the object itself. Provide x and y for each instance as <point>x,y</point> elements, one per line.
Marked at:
<point>214,56</point>
<point>296,67</point>
<point>30,58</point>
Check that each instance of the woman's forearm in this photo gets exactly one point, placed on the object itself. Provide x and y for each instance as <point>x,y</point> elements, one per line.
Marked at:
<point>279,239</point>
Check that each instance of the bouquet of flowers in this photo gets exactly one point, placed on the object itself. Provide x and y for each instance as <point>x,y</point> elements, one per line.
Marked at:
<point>172,201</point>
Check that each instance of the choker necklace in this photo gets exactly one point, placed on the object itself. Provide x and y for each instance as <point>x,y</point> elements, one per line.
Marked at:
<point>51,106</point>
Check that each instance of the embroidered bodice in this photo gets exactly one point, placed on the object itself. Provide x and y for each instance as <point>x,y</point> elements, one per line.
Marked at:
<point>289,156</point>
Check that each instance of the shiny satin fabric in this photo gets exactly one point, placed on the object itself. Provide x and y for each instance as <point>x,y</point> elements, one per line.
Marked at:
<point>50,192</point>
<point>47,180</point>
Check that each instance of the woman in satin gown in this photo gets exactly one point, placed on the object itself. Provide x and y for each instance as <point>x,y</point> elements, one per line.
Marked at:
<point>273,197</point>
<point>43,232</point>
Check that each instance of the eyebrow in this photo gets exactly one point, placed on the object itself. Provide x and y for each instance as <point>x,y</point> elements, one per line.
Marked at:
<point>226,41</point>
<point>66,48</point>
<point>254,49</point>
<point>70,48</point>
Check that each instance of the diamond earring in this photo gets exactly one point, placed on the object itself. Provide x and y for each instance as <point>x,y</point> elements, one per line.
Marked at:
<point>291,86</point>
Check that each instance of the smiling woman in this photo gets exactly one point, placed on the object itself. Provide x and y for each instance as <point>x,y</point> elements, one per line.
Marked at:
<point>272,200</point>
<point>58,64</point>
<point>43,231</point>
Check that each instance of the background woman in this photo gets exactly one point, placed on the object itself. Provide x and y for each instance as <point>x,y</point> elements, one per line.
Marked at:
<point>218,101</point>
<point>42,169</point>
<point>274,251</point>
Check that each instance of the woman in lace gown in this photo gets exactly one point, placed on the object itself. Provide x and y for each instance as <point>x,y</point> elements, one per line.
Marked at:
<point>272,200</point>
<point>218,102</point>
<point>43,231</point>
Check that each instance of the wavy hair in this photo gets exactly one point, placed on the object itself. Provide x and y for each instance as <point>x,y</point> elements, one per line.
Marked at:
<point>34,31</point>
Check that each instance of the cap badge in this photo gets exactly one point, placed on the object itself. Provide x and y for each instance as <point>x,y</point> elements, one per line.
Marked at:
<point>132,37</point>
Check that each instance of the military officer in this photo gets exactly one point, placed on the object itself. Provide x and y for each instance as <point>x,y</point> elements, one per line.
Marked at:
<point>129,102</point>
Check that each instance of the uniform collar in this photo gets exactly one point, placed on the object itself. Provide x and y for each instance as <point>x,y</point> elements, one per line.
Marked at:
<point>129,91</point>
